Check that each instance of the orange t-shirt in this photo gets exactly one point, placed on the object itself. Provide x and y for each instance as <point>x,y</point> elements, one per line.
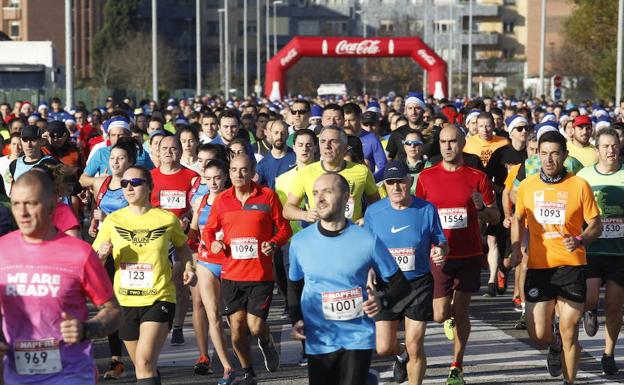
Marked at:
<point>512,173</point>
<point>484,148</point>
<point>553,211</point>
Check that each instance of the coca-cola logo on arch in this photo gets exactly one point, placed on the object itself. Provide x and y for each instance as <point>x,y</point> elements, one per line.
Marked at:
<point>289,56</point>
<point>364,47</point>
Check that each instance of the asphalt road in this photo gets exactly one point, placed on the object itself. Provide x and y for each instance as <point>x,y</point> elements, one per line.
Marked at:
<point>496,353</point>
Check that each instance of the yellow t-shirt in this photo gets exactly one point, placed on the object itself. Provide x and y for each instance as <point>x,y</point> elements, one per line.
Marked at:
<point>552,211</point>
<point>586,155</point>
<point>282,185</point>
<point>482,148</point>
<point>360,180</point>
<point>140,250</point>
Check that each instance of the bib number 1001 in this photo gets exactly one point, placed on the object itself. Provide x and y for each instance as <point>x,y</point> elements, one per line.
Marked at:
<point>343,305</point>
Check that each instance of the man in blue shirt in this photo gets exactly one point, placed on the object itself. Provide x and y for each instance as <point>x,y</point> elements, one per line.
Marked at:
<point>408,227</point>
<point>280,159</point>
<point>332,310</point>
<point>115,128</point>
<point>373,150</point>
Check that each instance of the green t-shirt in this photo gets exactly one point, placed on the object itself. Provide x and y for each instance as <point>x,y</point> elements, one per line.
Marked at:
<point>609,193</point>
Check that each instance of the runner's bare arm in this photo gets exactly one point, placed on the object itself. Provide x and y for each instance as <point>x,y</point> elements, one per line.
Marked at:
<point>294,213</point>
<point>592,231</point>
<point>105,322</point>
<point>372,198</point>
<point>186,257</point>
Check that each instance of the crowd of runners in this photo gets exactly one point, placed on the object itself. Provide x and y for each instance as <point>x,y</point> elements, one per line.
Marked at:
<point>364,213</point>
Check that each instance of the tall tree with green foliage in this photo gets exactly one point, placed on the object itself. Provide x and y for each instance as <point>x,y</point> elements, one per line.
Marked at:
<point>119,25</point>
<point>590,47</point>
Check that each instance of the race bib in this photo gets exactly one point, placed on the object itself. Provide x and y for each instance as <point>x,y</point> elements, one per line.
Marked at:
<point>350,209</point>
<point>549,213</point>
<point>137,275</point>
<point>405,257</point>
<point>37,357</point>
<point>343,305</point>
<point>244,248</point>
<point>612,228</point>
<point>453,218</point>
<point>172,199</point>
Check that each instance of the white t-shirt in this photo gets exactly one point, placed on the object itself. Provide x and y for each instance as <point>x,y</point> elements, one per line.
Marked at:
<point>5,161</point>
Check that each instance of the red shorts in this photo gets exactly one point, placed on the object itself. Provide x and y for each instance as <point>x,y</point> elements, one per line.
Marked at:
<point>462,274</point>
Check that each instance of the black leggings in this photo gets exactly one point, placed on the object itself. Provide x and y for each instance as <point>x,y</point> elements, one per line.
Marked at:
<point>343,367</point>
<point>280,274</point>
<point>114,343</point>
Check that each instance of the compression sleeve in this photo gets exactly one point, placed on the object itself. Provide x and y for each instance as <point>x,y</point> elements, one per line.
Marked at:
<point>295,289</point>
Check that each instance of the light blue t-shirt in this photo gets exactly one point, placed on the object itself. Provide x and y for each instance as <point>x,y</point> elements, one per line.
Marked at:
<point>98,164</point>
<point>407,233</point>
<point>334,266</point>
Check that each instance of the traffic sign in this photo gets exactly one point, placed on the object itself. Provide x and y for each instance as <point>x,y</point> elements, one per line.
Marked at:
<point>557,93</point>
<point>557,81</point>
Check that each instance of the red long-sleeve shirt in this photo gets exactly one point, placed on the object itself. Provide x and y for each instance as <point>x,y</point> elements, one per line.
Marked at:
<point>245,228</point>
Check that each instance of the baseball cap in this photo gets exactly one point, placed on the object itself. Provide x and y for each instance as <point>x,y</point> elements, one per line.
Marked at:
<point>57,128</point>
<point>582,120</point>
<point>30,132</point>
<point>395,170</point>
<point>369,118</point>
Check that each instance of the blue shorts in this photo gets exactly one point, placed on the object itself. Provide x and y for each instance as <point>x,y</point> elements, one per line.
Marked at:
<point>214,268</point>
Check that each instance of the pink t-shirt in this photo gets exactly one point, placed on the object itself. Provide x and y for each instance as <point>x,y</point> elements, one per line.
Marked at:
<point>39,281</point>
<point>64,218</point>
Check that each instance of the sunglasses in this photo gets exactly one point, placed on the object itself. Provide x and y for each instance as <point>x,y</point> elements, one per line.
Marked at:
<point>57,136</point>
<point>412,142</point>
<point>521,128</point>
<point>135,182</point>
<point>299,112</point>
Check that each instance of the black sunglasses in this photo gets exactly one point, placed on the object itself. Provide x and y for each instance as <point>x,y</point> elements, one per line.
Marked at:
<point>299,112</point>
<point>135,182</point>
<point>521,128</point>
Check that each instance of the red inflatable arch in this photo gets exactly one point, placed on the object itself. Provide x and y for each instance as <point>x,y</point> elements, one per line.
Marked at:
<point>299,46</point>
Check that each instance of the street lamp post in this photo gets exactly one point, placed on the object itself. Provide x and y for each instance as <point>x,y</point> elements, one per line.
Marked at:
<point>245,74</point>
<point>425,38</point>
<point>275,4</point>
<point>69,68</point>
<point>221,65</point>
<point>154,53</point>
<point>258,76</point>
<point>198,46</point>
<point>469,85</point>
<point>226,49</point>
<point>451,50</point>
<point>364,35</point>
<point>542,48</point>
<point>618,75</point>
<point>267,10</point>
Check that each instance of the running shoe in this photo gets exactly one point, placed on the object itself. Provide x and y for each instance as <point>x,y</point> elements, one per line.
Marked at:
<point>399,369</point>
<point>590,322</point>
<point>303,361</point>
<point>202,366</point>
<point>522,323</point>
<point>517,303</point>
<point>608,365</point>
<point>455,377</point>
<point>491,290</point>
<point>115,370</point>
<point>501,282</point>
<point>372,378</point>
<point>177,336</point>
<point>553,360</point>
<point>449,329</point>
<point>229,376</point>
<point>285,314</point>
<point>248,379</point>
<point>270,354</point>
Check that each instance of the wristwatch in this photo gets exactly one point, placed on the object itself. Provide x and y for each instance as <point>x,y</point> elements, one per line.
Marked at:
<point>580,240</point>
<point>273,245</point>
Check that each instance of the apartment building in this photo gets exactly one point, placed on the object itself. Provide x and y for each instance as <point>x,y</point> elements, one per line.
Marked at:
<point>44,20</point>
